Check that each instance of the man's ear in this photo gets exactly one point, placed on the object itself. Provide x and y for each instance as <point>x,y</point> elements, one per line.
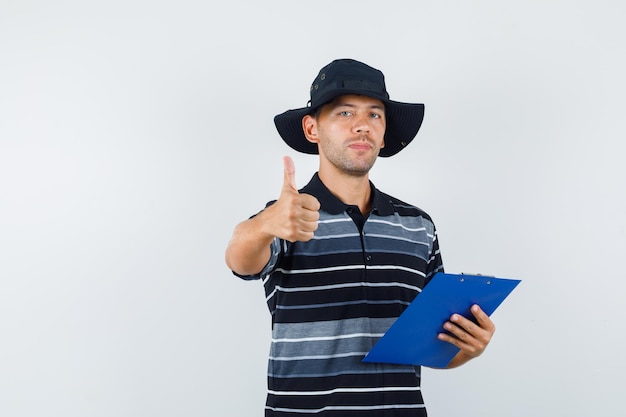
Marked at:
<point>309,126</point>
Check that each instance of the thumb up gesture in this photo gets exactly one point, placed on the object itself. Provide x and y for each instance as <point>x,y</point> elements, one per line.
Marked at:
<point>294,216</point>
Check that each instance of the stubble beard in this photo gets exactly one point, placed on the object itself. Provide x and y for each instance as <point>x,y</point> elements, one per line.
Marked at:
<point>353,167</point>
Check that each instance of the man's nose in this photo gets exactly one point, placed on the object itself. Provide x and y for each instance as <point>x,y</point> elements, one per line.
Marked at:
<point>361,124</point>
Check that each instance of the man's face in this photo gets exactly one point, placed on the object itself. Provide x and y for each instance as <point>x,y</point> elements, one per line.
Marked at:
<point>349,132</point>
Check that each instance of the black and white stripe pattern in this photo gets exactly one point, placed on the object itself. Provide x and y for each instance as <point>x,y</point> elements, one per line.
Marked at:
<point>333,297</point>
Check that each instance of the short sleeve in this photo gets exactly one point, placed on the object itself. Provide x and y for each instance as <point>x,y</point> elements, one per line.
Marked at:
<point>276,249</point>
<point>435,263</point>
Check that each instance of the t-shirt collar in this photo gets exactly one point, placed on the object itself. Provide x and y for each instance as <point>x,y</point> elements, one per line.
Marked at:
<point>331,204</point>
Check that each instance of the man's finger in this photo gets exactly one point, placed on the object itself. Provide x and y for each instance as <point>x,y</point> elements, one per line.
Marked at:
<point>289,180</point>
<point>309,202</point>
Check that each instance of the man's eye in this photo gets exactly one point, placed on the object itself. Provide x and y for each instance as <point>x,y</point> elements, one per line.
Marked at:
<point>376,116</point>
<point>345,113</point>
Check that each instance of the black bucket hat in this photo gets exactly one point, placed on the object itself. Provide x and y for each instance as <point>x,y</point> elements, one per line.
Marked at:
<point>347,76</point>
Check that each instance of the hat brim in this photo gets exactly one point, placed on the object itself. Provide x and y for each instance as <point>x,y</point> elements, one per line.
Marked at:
<point>403,122</point>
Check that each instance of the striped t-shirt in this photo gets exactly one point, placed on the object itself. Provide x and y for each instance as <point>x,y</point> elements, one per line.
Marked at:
<point>333,297</point>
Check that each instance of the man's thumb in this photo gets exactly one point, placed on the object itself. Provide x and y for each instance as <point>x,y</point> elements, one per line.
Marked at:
<point>289,180</point>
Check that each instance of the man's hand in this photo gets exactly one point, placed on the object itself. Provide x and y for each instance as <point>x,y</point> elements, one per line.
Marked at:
<point>468,336</point>
<point>293,216</point>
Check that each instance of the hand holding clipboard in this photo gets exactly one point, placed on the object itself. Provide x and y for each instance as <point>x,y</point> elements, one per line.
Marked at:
<point>412,339</point>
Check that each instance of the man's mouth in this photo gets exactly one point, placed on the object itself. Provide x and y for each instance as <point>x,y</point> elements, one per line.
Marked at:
<point>360,145</point>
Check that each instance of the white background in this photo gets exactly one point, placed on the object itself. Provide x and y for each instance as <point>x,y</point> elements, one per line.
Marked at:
<point>134,135</point>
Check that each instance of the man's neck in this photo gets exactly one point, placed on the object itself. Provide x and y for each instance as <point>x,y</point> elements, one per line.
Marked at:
<point>351,190</point>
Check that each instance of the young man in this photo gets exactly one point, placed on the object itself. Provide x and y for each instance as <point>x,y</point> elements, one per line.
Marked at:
<point>340,260</point>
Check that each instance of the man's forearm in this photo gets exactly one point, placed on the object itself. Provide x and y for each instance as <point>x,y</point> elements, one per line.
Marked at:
<point>249,248</point>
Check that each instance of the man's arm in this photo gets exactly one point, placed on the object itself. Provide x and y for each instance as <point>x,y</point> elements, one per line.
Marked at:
<point>292,217</point>
<point>468,336</point>
<point>248,250</point>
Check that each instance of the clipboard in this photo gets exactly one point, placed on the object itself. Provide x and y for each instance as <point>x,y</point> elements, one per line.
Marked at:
<point>412,338</point>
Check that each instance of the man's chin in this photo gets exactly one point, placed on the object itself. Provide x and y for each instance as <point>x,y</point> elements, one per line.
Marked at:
<point>358,170</point>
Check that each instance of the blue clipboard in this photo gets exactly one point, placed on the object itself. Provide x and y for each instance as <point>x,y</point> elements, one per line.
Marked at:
<point>412,339</point>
